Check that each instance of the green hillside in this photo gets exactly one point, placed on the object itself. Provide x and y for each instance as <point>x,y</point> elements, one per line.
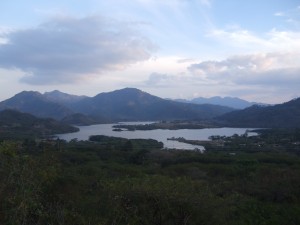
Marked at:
<point>16,124</point>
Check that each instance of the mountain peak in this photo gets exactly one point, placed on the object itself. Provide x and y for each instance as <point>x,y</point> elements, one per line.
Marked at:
<point>61,97</point>
<point>128,90</point>
<point>35,103</point>
<point>124,104</point>
<point>134,104</point>
<point>29,94</point>
<point>53,92</point>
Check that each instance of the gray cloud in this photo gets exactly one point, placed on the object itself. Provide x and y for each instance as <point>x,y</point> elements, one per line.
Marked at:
<point>67,49</point>
<point>273,69</point>
<point>158,79</point>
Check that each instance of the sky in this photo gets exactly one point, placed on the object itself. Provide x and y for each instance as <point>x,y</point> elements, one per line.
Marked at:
<point>169,48</point>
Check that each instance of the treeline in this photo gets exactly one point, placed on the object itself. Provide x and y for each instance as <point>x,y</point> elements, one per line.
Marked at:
<point>109,181</point>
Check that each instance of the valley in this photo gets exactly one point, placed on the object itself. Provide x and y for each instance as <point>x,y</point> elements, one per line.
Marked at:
<point>150,112</point>
<point>75,160</point>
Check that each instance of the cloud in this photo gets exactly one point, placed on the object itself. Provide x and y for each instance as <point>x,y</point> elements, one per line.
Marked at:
<point>279,14</point>
<point>4,31</point>
<point>291,16</point>
<point>274,40</point>
<point>170,80</point>
<point>186,60</point>
<point>272,69</point>
<point>67,50</point>
<point>157,79</point>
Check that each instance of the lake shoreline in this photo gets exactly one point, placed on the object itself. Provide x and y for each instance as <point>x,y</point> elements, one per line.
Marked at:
<point>159,134</point>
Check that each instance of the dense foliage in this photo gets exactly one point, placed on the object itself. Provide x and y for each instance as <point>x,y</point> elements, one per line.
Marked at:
<point>119,181</point>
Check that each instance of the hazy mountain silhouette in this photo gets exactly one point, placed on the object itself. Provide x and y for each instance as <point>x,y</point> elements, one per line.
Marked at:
<point>232,102</point>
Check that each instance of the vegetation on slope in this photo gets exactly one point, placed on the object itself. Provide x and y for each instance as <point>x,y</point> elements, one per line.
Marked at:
<point>119,181</point>
<point>14,124</point>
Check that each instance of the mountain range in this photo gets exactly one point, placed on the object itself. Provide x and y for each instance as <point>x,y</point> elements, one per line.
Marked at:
<point>232,102</point>
<point>128,104</point>
<point>36,104</point>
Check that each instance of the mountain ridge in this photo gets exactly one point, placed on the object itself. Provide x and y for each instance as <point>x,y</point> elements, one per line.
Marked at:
<point>63,98</point>
<point>133,104</point>
<point>128,104</point>
<point>285,115</point>
<point>233,102</point>
<point>36,104</point>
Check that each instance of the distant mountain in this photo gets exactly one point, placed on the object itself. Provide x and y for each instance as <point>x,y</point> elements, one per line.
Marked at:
<point>16,124</point>
<point>132,104</point>
<point>127,104</point>
<point>232,102</point>
<point>36,104</point>
<point>63,98</point>
<point>236,103</point>
<point>281,115</point>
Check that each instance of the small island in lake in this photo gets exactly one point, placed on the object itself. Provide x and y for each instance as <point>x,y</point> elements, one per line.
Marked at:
<point>166,125</point>
<point>207,144</point>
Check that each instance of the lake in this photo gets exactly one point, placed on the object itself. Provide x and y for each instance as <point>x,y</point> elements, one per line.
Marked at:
<point>159,135</point>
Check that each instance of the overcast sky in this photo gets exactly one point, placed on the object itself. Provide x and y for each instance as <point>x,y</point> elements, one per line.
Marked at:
<point>170,48</point>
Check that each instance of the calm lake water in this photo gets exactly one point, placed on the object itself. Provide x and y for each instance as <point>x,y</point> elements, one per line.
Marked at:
<point>159,135</point>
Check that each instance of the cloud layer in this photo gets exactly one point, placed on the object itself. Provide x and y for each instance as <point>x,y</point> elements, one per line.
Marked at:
<point>68,49</point>
<point>272,69</point>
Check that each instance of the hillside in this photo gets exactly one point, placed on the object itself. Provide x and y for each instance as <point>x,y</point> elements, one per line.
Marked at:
<point>16,124</point>
<point>78,119</point>
<point>232,102</point>
<point>132,104</point>
<point>281,115</point>
<point>36,104</point>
